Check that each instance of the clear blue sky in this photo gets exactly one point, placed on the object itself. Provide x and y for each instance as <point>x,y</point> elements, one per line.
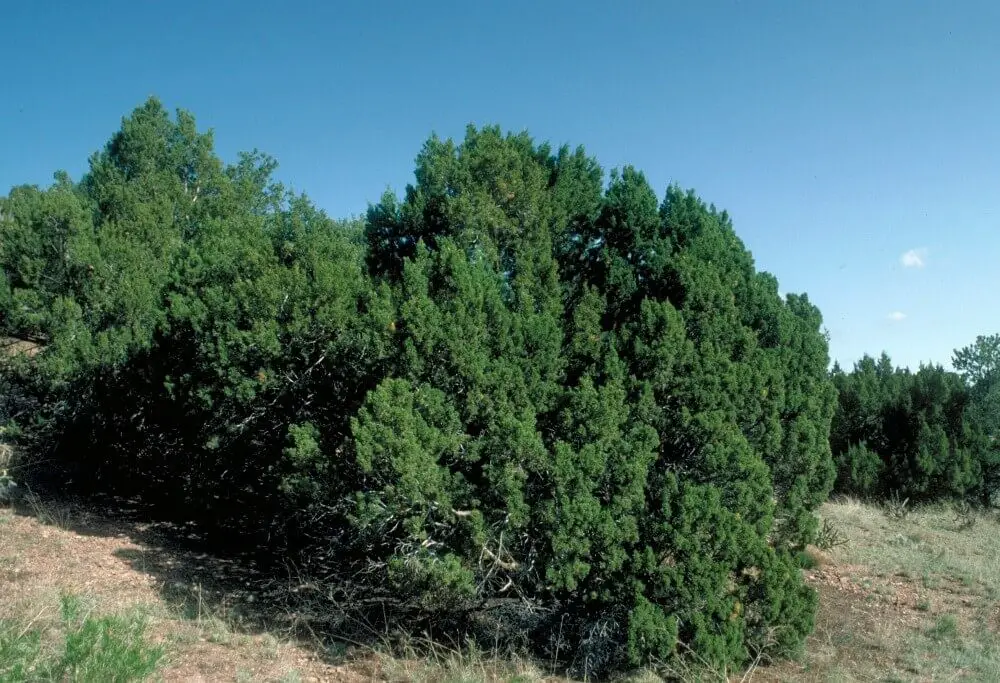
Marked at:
<point>839,135</point>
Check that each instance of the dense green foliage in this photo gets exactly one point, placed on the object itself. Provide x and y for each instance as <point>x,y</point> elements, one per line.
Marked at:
<point>923,435</point>
<point>979,366</point>
<point>192,315</point>
<point>521,397</point>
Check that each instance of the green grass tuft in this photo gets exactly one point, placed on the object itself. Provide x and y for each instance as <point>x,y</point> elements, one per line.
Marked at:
<point>945,628</point>
<point>88,648</point>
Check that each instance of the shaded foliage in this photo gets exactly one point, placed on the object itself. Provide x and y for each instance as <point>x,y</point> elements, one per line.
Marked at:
<point>202,313</point>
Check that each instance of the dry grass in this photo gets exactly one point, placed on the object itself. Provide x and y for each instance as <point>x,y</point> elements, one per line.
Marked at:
<point>433,663</point>
<point>12,346</point>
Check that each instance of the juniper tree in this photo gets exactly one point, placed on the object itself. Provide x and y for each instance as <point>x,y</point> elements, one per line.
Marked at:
<point>198,321</point>
<point>643,462</point>
<point>516,386</point>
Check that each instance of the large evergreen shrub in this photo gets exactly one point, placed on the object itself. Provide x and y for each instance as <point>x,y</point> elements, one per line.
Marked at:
<point>519,400</point>
<point>602,407</point>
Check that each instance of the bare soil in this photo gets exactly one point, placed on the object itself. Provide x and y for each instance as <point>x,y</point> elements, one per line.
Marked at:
<point>191,599</point>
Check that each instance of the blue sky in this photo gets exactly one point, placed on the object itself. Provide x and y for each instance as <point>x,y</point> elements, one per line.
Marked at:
<point>856,144</point>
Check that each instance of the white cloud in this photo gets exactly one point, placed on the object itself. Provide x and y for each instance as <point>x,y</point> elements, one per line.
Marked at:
<point>897,316</point>
<point>914,258</point>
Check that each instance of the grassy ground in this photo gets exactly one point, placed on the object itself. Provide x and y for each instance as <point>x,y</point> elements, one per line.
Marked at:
<point>910,597</point>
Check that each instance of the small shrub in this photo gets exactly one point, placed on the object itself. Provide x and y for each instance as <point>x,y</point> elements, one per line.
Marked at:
<point>805,560</point>
<point>896,507</point>
<point>859,470</point>
<point>829,536</point>
<point>7,487</point>
<point>49,512</point>
<point>965,515</point>
<point>945,628</point>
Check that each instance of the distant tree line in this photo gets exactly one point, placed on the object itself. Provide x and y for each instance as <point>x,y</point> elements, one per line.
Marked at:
<point>526,401</point>
<point>924,435</point>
